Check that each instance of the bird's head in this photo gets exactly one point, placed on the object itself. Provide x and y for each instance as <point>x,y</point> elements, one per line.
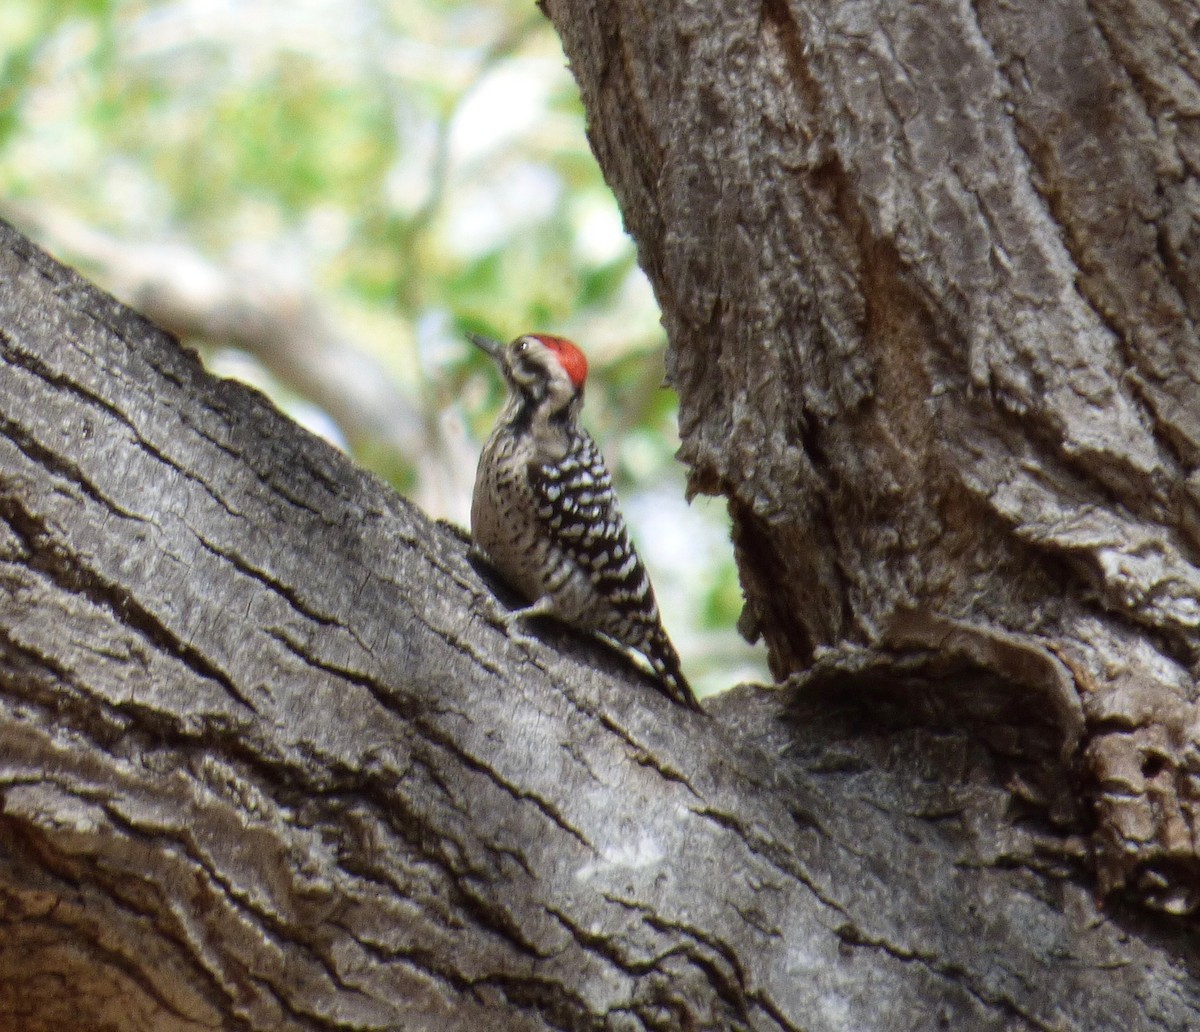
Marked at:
<point>539,367</point>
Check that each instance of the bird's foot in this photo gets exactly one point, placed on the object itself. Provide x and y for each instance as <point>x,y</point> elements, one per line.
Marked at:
<point>511,620</point>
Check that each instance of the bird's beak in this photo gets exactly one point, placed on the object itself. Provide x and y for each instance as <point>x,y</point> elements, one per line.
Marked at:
<point>493,348</point>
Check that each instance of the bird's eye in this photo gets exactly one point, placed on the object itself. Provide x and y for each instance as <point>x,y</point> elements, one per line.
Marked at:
<point>522,346</point>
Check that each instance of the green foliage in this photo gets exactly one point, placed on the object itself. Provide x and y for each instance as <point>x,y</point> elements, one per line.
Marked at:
<point>423,160</point>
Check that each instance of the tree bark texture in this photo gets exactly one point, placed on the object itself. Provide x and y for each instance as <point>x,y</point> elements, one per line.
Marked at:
<point>269,761</point>
<point>931,274</point>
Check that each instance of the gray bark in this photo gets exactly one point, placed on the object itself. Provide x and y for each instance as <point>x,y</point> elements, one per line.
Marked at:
<point>269,762</point>
<point>929,271</point>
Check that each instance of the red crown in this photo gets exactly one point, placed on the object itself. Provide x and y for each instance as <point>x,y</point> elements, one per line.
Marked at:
<point>569,357</point>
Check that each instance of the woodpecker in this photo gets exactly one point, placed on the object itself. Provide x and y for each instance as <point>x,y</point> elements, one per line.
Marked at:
<point>545,515</point>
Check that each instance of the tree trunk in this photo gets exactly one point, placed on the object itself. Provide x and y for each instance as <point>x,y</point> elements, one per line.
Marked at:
<point>270,761</point>
<point>930,272</point>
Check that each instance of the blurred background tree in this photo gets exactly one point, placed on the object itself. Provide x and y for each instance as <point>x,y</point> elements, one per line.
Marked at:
<point>322,196</point>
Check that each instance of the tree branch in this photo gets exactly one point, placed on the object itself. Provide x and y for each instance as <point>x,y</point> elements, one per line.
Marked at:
<point>271,763</point>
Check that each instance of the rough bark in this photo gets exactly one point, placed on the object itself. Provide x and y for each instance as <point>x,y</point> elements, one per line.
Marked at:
<point>269,762</point>
<point>275,316</point>
<point>929,271</point>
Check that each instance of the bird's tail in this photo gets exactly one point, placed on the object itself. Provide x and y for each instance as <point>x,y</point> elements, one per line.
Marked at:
<point>665,662</point>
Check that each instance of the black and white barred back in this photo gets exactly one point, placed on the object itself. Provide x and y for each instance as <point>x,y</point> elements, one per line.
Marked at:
<point>545,513</point>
